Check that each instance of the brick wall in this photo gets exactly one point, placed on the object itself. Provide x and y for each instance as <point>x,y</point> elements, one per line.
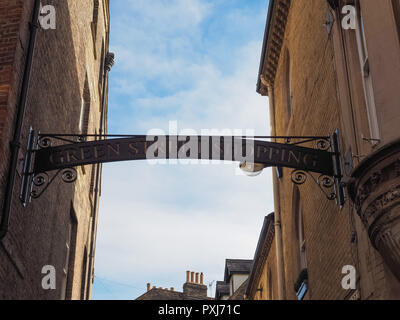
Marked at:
<point>63,60</point>
<point>315,113</point>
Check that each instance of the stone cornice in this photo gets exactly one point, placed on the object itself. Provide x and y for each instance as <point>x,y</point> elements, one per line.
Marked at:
<point>272,45</point>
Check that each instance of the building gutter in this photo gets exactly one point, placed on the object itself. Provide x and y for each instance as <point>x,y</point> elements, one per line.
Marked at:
<point>15,143</point>
<point>261,81</point>
<point>277,206</point>
<point>109,62</point>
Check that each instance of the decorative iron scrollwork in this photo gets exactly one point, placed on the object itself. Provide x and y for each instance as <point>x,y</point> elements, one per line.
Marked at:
<point>325,181</point>
<point>44,142</point>
<point>322,144</point>
<point>47,141</point>
<point>69,175</point>
<point>42,181</point>
<point>298,177</point>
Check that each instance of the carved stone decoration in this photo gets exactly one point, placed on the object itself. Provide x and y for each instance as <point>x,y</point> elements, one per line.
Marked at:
<point>375,191</point>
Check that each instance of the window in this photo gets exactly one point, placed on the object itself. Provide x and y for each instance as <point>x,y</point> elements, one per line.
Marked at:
<point>288,90</point>
<point>68,270</point>
<point>396,12</point>
<point>301,283</point>
<point>365,71</point>
<point>301,240</point>
<point>299,229</point>
<point>270,295</point>
<point>85,109</point>
<point>84,275</point>
<point>92,179</point>
<point>66,264</point>
<point>95,19</point>
<point>101,71</point>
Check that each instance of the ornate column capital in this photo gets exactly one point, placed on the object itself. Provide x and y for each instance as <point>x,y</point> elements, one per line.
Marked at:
<point>375,191</point>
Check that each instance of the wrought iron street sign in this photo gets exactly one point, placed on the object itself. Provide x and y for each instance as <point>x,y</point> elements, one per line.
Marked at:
<point>176,147</point>
<point>43,157</point>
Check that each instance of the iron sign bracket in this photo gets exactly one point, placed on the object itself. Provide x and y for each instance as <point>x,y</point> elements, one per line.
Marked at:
<point>34,185</point>
<point>331,187</point>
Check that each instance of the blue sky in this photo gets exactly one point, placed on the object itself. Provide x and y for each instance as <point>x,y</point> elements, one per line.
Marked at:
<point>194,62</point>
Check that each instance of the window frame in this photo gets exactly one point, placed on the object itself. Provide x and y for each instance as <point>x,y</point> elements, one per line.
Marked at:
<point>362,48</point>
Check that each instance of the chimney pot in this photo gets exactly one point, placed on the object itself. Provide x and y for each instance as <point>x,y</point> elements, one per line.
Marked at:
<point>172,289</point>
<point>192,277</point>
<point>201,278</point>
<point>148,286</point>
<point>197,277</point>
<point>187,276</point>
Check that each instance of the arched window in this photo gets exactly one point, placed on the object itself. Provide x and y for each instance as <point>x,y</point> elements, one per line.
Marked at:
<point>299,230</point>
<point>85,109</point>
<point>302,241</point>
<point>270,294</point>
<point>95,17</point>
<point>101,70</point>
<point>288,90</point>
<point>367,77</point>
<point>301,282</point>
<point>84,275</point>
<point>396,12</point>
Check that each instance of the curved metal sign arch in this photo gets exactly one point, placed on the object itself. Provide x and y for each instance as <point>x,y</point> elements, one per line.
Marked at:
<point>184,147</point>
<point>42,157</point>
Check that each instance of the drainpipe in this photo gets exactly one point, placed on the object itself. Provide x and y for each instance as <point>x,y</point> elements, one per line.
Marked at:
<point>108,63</point>
<point>277,205</point>
<point>15,144</point>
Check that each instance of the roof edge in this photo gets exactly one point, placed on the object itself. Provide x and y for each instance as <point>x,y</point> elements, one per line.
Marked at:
<point>273,38</point>
<point>263,247</point>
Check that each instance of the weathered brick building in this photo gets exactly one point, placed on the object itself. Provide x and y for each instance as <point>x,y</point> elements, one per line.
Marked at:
<point>321,75</point>
<point>53,80</point>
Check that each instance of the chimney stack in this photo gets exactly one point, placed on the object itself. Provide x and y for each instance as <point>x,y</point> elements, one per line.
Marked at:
<point>194,286</point>
<point>148,286</point>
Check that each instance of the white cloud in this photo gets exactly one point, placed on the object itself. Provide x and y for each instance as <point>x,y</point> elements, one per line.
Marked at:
<point>158,221</point>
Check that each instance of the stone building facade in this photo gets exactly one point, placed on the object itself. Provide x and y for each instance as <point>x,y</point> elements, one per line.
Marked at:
<point>325,69</point>
<point>65,93</point>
